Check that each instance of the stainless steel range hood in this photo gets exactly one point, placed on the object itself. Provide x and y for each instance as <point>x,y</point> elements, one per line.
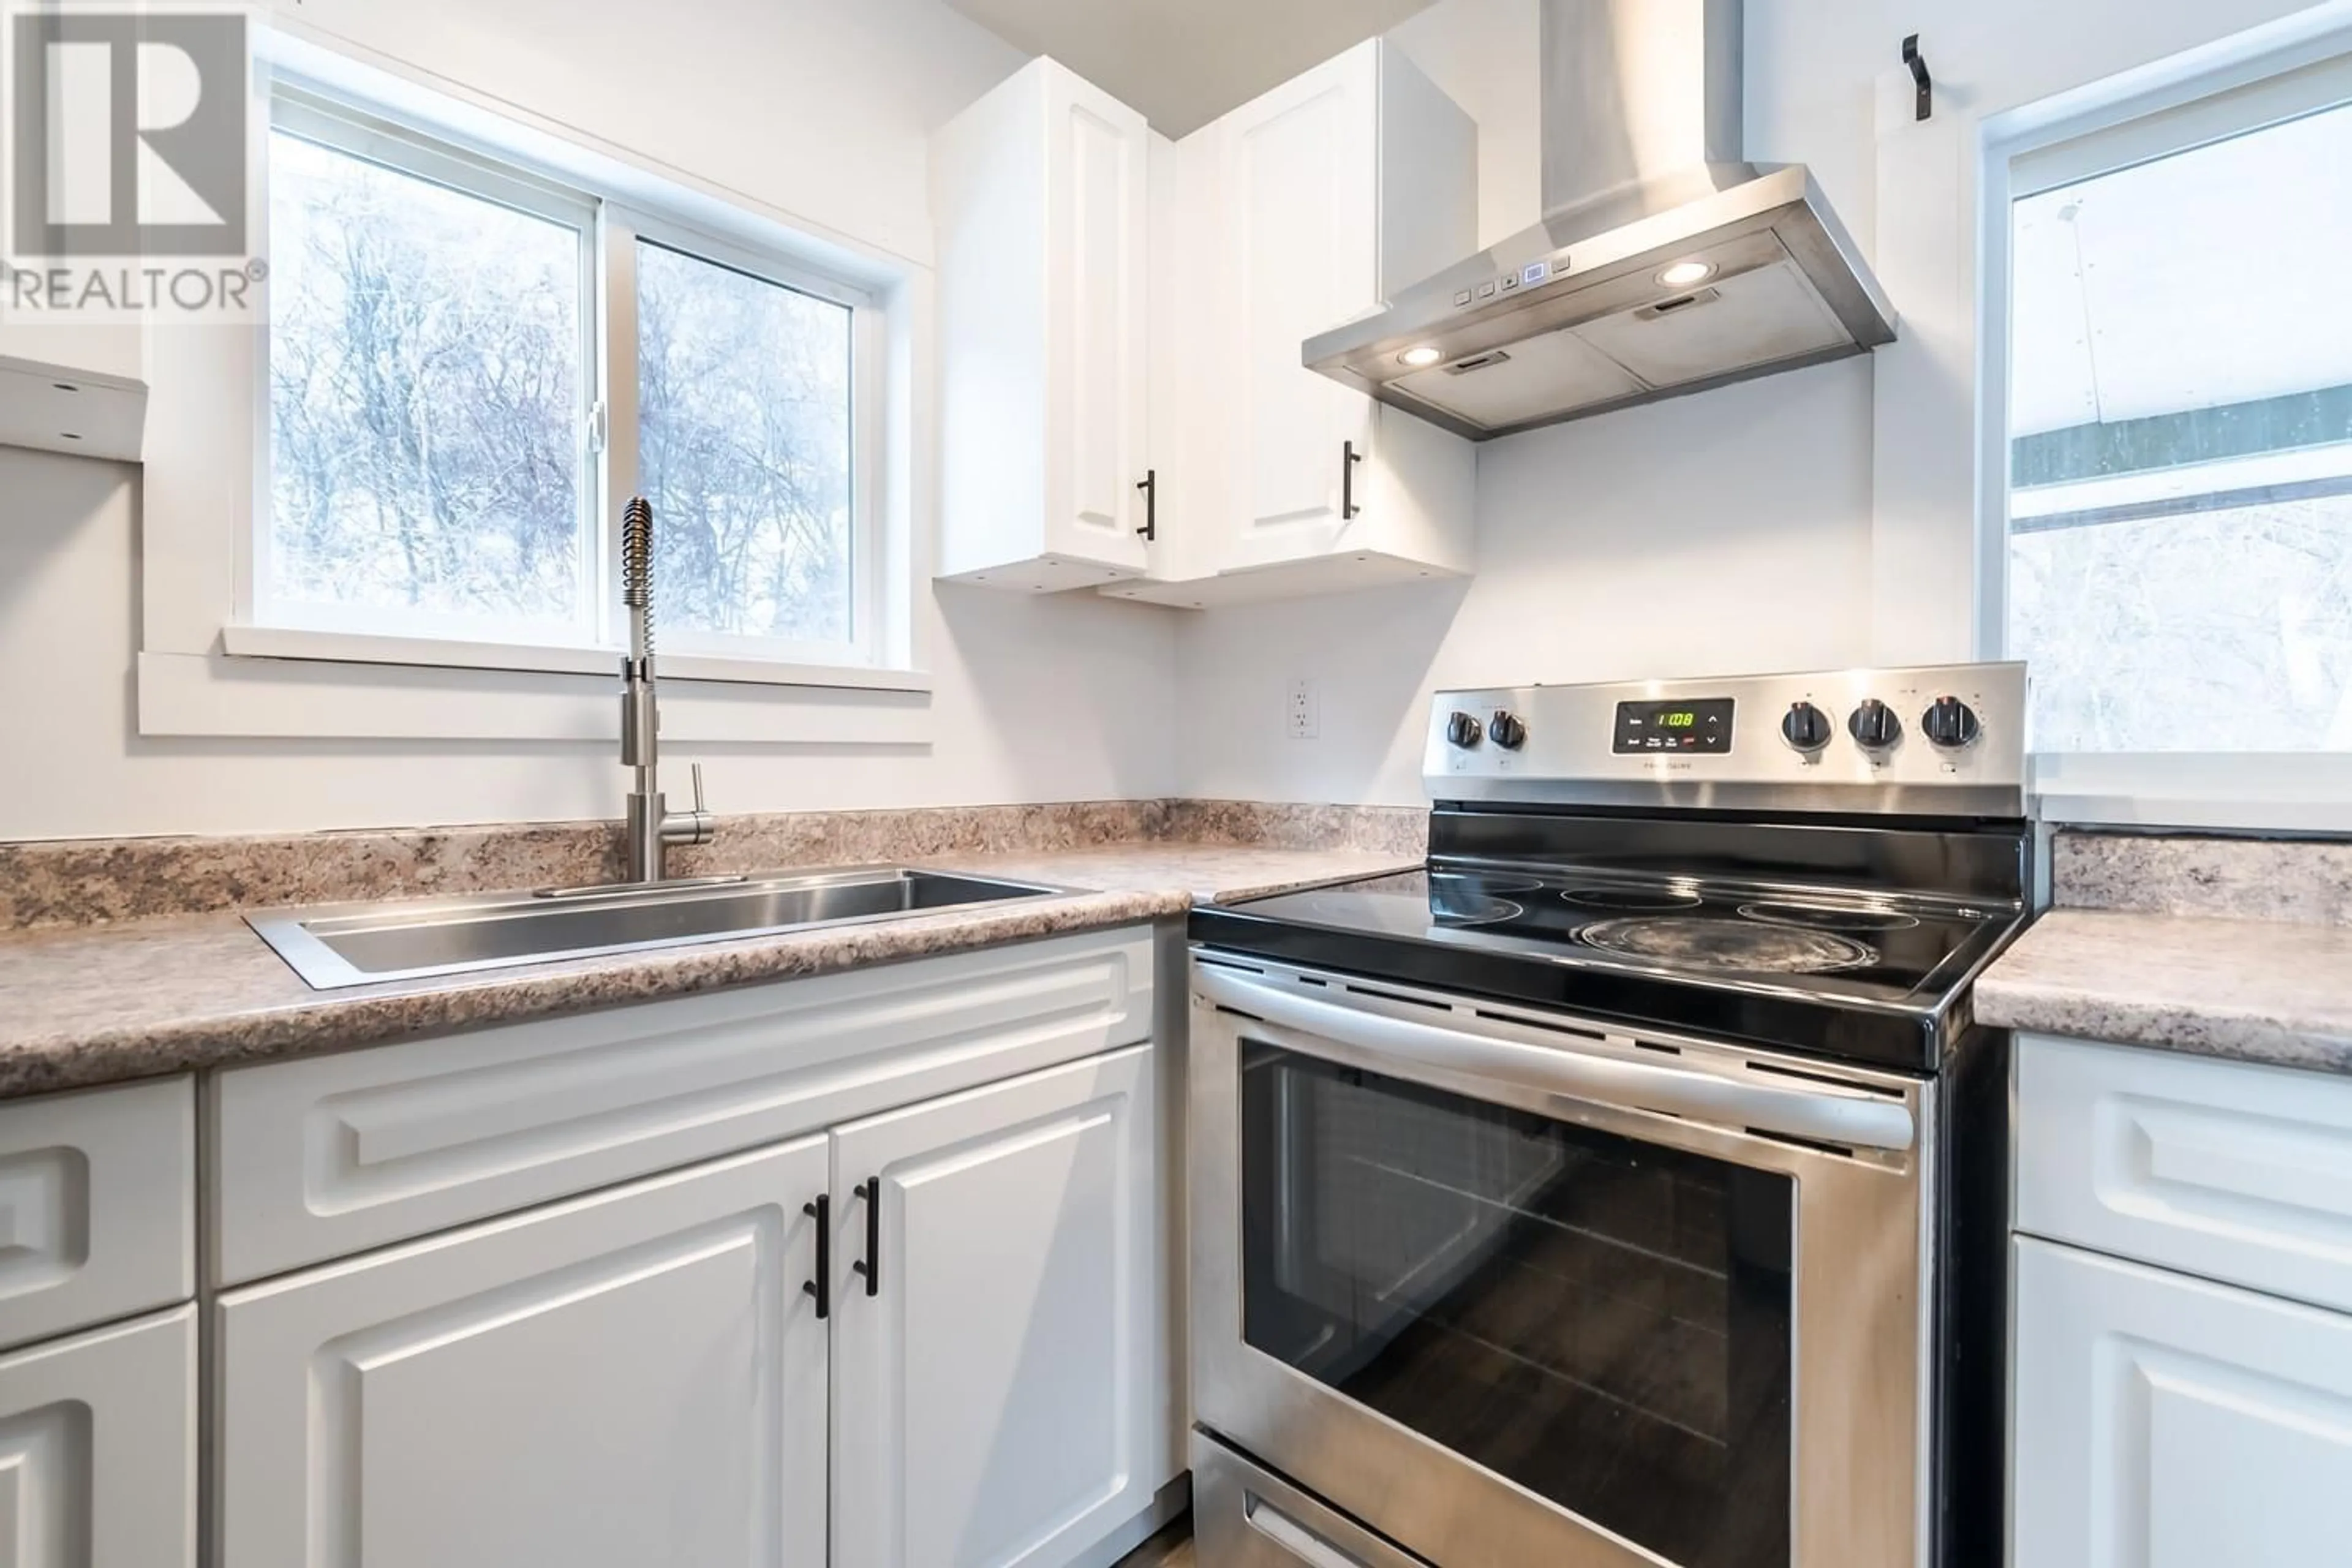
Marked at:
<point>1664,265</point>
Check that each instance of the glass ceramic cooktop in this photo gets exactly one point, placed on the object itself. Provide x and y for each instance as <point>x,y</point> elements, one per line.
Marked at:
<point>1836,943</point>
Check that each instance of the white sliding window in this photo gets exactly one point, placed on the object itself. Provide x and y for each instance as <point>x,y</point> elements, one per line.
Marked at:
<point>472,366</point>
<point>2177,565</point>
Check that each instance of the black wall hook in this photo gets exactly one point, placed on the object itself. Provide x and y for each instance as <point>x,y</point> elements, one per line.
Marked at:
<point>1918,64</point>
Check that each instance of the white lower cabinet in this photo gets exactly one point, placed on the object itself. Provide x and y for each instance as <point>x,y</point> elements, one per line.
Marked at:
<point>2163,1421</point>
<point>649,1375</point>
<point>1002,1394</point>
<point>98,1448</point>
<point>625,1380</point>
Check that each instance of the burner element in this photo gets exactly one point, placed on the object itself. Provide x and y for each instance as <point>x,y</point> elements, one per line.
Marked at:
<point>1687,942</point>
<point>1641,899</point>
<point>1472,911</point>
<point>1471,901</point>
<point>1827,917</point>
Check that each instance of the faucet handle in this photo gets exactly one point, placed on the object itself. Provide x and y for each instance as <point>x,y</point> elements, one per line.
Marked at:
<point>694,827</point>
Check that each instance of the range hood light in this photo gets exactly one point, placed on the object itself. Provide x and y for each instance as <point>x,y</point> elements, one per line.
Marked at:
<point>1683,274</point>
<point>1423,355</point>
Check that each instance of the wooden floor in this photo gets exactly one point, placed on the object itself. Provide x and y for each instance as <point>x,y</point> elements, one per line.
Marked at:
<point>1171,1548</point>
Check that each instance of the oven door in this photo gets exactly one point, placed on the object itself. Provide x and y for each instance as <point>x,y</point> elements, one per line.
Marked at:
<point>1514,1289</point>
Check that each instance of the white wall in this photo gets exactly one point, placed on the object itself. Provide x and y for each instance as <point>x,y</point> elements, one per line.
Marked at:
<point>1626,545</point>
<point>1482,54</point>
<point>1747,530</point>
<point>819,108</point>
<point>1036,699</point>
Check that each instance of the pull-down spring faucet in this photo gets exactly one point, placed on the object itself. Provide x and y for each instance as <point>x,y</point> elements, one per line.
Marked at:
<point>652,828</point>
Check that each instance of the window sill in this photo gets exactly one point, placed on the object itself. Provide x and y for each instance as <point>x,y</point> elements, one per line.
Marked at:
<point>217,696</point>
<point>2284,795</point>
<point>2285,815</point>
<point>433,653</point>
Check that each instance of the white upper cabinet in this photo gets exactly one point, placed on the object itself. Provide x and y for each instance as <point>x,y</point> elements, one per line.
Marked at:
<point>1039,193</point>
<point>1304,208</point>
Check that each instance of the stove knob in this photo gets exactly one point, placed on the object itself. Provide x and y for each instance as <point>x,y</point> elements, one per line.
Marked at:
<point>1463,729</point>
<point>1875,726</point>
<point>1507,730</point>
<point>1806,728</point>
<point>1951,724</point>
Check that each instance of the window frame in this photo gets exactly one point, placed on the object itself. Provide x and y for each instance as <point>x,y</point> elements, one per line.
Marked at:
<point>610,225</point>
<point>2252,790</point>
<point>345,128</point>
<point>620,228</point>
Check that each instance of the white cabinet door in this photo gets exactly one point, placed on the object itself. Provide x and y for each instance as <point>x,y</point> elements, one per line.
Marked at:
<point>1297,189</point>
<point>1041,196</point>
<point>1097,213</point>
<point>98,1448</point>
<point>1000,1398</point>
<point>2166,1422</point>
<point>630,1379</point>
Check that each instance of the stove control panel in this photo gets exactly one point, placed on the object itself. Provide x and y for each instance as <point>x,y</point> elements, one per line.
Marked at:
<point>1946,739</point>
<point>1700,725</point>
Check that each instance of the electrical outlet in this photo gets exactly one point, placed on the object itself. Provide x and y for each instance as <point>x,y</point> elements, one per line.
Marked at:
<point>1304,714</point>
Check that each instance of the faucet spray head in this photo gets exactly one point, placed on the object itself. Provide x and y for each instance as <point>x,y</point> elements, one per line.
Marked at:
<point>638,554</point>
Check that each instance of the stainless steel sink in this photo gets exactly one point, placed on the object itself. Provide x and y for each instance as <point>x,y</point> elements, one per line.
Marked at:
<point>357,944</point>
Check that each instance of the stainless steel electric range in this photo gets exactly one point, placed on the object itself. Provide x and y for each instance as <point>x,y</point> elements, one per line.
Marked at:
<point>1628,1185</point>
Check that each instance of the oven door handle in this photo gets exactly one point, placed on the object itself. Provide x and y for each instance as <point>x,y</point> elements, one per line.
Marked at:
<point>1850,1120</point>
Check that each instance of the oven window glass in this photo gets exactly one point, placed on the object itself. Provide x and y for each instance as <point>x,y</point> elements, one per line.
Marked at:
<point>1604,1322</point>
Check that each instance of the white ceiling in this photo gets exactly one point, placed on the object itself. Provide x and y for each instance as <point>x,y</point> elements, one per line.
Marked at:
<point>1185,62</point>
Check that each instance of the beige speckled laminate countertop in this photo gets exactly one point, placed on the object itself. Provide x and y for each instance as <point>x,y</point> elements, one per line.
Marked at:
<point>92,1004</point>
<point>2268,991</point>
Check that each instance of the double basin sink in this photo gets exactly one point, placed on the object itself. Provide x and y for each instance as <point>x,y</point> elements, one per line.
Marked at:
<point>358,945</point>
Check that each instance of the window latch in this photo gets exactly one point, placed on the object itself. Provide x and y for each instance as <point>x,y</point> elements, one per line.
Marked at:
<point>596,426</point>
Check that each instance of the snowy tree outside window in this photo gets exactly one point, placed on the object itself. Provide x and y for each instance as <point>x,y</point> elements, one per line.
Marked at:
<point>437,363</point>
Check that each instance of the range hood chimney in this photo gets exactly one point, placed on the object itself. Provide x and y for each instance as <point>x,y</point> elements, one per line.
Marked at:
<point>1664,263</point>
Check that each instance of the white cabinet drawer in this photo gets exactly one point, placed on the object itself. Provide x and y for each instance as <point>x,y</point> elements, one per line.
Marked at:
<point>97,1207</point>
<point>98,1448</point>
<point>2238,1172</point>
<point>2165,1422</point>
<point>332,1155</point>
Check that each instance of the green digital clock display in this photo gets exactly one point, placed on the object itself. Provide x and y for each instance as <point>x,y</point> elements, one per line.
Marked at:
<point>1700,726</point>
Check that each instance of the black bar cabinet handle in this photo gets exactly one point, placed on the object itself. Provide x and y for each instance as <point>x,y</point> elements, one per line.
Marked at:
<point>1150,486</point>
<point>821,1209</point>
<point>1349,457</point>
<point>871,1264</point>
